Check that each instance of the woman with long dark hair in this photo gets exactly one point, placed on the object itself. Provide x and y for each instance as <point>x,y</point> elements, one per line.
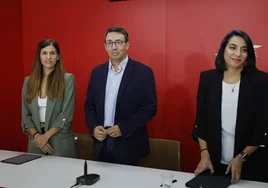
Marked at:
<point>48,98</point>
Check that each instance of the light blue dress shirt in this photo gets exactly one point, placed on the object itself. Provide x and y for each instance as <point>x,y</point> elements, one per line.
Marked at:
<point>112,87</point>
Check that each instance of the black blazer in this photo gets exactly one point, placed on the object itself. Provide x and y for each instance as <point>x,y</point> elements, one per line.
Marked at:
<point>252,112</point>
<point>136,105</point>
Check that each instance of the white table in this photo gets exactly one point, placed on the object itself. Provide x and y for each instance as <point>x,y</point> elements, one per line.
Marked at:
<point>59,172</point>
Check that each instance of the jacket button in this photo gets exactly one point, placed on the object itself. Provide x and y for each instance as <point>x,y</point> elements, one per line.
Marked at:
<point>265,134</point>
<point>63,119</point>
<point>195,126</point>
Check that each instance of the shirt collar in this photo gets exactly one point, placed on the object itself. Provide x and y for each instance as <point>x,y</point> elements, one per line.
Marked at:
<point>122,65</point>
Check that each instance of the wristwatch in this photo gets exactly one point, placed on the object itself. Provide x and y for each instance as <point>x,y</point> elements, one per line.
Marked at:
<point>244,155</point>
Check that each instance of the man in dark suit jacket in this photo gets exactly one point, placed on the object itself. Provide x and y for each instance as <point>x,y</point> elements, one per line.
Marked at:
<point>121,100</point>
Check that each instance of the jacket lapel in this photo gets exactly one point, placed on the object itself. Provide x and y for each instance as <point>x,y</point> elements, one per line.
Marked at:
<point>125,80</point>
<point>49,110</point>
<point>102,81</point>
<point>244,101</point>
<point>35,112</point>
<point>216,95</point>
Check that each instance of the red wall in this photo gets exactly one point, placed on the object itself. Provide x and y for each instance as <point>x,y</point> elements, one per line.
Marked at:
<point>178,39</point>
<point>11,75</point>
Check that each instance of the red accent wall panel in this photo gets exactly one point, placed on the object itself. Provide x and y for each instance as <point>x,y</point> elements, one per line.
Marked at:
<point>11,76</point>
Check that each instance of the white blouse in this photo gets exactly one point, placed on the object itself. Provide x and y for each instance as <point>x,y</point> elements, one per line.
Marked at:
<point>228,120</point>
<point>42,105</point>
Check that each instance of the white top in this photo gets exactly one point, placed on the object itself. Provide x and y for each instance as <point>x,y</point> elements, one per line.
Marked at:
<point>228,120</point>
<point>42,105</point>
<point>61,172</point>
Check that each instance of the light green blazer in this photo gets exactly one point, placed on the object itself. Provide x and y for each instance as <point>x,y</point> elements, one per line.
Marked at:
<point>59,114</point>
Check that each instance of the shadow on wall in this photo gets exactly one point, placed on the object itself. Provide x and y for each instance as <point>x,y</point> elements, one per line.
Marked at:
<point>157,63</point>
<point>179,107</point>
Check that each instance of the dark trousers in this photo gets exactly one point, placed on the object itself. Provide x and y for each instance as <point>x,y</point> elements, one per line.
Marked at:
<point>107,153</point>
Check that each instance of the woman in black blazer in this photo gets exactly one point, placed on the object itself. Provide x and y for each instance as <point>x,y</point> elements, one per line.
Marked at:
<point>231,113</point>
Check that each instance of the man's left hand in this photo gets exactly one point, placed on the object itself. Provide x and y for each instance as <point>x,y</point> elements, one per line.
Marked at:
<point>114,131</point>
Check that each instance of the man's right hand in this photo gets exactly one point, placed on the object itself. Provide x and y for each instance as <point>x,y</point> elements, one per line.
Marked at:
<point>204,164</point>
<point>100,133</point>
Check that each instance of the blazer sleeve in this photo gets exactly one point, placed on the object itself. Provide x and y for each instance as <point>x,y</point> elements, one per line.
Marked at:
<point>90,106</point>
<point>64,119</point>
<point>26,112</point>
<point>148,106</point>
<point>199,130</point>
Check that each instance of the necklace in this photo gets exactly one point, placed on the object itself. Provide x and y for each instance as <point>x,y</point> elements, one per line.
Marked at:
<point>234,86</point>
